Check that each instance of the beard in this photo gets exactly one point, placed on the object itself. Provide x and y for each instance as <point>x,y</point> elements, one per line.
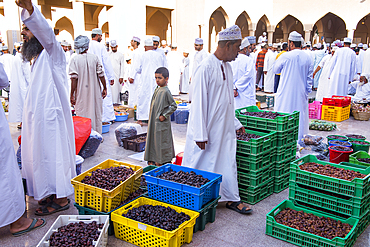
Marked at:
<point>31,49</point>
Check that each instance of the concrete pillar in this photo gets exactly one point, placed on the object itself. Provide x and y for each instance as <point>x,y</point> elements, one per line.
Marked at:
<point>285,37</point>
<point>307,31</point>
<point>252,29</point>
<point>350,33</point>
<point>173,26</point>
<point>270,35</point>
<point>78,18</point>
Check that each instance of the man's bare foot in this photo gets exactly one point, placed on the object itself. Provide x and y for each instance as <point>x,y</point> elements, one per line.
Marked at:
<point>239,207</point>
<point>139,122</point>
<point>23,223</point>
<point>58,204</point>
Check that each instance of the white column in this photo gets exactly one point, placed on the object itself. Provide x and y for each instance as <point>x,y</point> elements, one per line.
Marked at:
<point>307,31</point>
<point>78,18</point>
<point>270,34</point>
<point>173,26</point>
<point>351,33</point>
<point>252,29</point>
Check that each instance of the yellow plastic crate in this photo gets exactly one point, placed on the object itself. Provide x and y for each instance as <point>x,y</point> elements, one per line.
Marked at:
<point>105,200</point>
<point>335,113</point>
<point>142,234</point>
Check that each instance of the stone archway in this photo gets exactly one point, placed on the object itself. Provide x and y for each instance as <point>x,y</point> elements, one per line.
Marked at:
<point>243,22</point>
<point>262,26</point>
<point>217,23</point>
<point>105,30</point>
<point>331,27</point>
<point>158,23</point>
<point>65,24</point>
<point>361,34</point>
<point>285,26</point>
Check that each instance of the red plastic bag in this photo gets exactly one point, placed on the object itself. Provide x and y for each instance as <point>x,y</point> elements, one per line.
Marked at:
<point>82,127</point>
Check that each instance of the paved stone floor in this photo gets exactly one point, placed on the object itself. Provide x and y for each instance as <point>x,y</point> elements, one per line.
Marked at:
<point>230,228</point>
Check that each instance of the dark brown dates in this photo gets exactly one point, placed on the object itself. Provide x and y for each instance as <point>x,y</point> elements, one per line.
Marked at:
<point>336,137</point>
<point>77,234</point>
<point>360,142</point>
<point>246,136</point>
<point>354,136</point>
<point>321,226</point>
<point>263,114</point>
<point>139,139</point>
<point>340,148</point>
<point>189,178</point>
<point>108,178</point>
<point>366,160</point>
<point>133,195</point>
<point>340,143</point>
<point>165,218</point>
<point>331,171</point>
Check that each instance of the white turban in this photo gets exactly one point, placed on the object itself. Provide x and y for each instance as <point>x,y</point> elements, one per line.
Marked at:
<point>295,36</point>
<point>81,44</point>
<point>244,43</point>
<point>367,76</point>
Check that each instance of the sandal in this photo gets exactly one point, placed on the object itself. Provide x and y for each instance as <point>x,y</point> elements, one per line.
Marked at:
<point>234,206</point>
<point>52,204</point>
<point>30,228</point>
<point>19,126</point>
<point>46,200</point>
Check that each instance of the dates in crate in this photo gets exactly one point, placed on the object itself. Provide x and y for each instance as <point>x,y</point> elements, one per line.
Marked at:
<point>77,234</point>
<point>263,114</point>
<point>341,148</point>
<point>108,178</point>
<point>139,139</point>
<point>337,137</point>
<point>321,226</point>
<point>366,160</point>
<point>360,142</point>
<point>355,136</point>
<point>189,178</point>
<point>246,136</point>
<point>158,216</point>
<point>133,196</point>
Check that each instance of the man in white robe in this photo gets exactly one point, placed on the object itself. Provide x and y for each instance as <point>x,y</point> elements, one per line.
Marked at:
<point>134,77</point>
<point>199,55</point>
<point>185,73</point>
<point>295,82</point>
<point>149,63</point>
<point>11,186</point>
<point>7,60</point>
<point>118,62</point>
<point>174,68</point>
<point>244,77</point>
<point>269,75</point>
<point>211,139</point>
<point>100,50</point>
<point>160,51</point>
<point>362,88</point>
<point>318,54</point>
<point>262,38</point>
<point>48,144</point>
<point>366,62</point>
<point>342,70</point>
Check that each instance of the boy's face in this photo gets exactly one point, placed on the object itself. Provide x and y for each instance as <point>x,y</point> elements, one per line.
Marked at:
<point>160,80</point>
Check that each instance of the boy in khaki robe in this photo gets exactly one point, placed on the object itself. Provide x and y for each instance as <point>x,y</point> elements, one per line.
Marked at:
<point>159,143</point>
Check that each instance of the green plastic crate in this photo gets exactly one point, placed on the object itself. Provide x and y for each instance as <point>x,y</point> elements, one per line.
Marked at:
<point>254,161</point>
<point>251,178</point>
<point>282,123</point>
<point>302,238</point>
<point>286,137</point>
<point>282,183</point>
<point>353,158</point>
<point>252,195</point>
<point>206,215</point>
<point>359,147</point>
<point>282,167</point>
<point>355,188</point>
<point>286,152</point>
<point>363,224</point>
<point>266,142</point>
<point>146,169</point>
<point>356,207</point>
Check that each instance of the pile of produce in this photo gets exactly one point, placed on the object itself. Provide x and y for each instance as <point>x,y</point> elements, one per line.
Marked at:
<point>359,142</point>
<point>341,148</point>
<point>165,218</point>
<point>263,114</point>
<point>360,108</point>
<point>139,139</point>
<point>143,182</point>
<point>321,226</point>
<point>336,137</point>
<point>366,160</point>
<point>76,234</point>
<point>133,196</point>
<point>340,143</point>
<point>108,178</point>
<point>246,136</point>
<point>322,125</point>
<point>331,171</point>
<point>120,113</point>
<point>188,178</point>
<point>355,136</point>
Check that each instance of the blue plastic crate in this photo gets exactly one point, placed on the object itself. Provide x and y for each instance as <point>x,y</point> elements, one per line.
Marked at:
<point>182,195</point>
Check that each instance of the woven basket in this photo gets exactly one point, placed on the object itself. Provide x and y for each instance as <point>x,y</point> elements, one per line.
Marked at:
<point>362,116</point>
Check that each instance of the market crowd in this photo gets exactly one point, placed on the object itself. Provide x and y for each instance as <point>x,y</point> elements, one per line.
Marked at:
<point>47,77</point>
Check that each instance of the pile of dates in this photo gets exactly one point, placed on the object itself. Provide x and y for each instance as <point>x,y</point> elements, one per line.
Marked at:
<point>337,142</point>
<point>354,136</point>
<point>143,182</point>
<point>331,171</point>
<point>139,139</point>
<point>366,160</point>
<point>360,143</point>
<point>336,137</point>
<point>108,178</point>
<point>77,234</point>
<point>165,218</point>
<point>188,178</point>
<point>341,148</point>
<point>246,136</point>
<point>133,196</point>
<point>321,226</point>
<point>263,114</point>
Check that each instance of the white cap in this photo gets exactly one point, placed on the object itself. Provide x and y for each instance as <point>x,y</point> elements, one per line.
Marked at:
<point>163,42</point>
<point>174,45</point>
<point>244,43</point>
<point>264,33</point>
<point>365,47</point>
<point>137,39</point>
<point>347,40</point>
<point>4,48</point>
<point>97,31</point>
<point>113,43</point>
<point>332,45</point>
<point>275,45</point>
<point>186,51</point>
<point>335,48</point>
<point>251,39</point>
<point>353,45</point>
<point>198,41</point>
<point>230,33</point>
<point>295,36</point>
<point>360,45</point>
<point>148,42</point>
<point>64,43</point>
<point>156,39</point>
<point>318,45</point>
<point>315,46</point>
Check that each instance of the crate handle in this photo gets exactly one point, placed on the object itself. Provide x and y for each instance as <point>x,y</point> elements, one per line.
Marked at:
<point>129,206</point>
<point>276,211</point>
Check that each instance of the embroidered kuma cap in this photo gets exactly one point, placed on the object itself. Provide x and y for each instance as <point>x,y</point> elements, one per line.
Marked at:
<point>230,33</point>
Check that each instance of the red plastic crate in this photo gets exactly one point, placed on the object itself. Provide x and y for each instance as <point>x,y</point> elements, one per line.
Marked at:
<point>314,110</point>
<point>337,101</point>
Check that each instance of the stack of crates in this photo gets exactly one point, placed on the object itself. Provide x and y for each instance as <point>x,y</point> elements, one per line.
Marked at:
<point>332,196</point>
<point>282,150</point>
<point>336,108</point>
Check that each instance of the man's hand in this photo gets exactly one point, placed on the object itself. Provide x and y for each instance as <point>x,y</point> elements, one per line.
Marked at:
<point>236,93</point>
<point>73,100</point>
<point>131,80</point>
<point>313,75</point>
<point>162,118</point>
<point>120,80</point>
<point>265,72</point>
<point>104,93</point>
<point>111,82</point>
<point>241,130</point>
<point>25,4</point>
<point>201,145</point>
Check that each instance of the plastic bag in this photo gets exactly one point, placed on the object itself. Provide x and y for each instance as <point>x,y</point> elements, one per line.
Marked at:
<point>19,157</point>
<point>82,127</point>
<point>322,125</point>
<point>312,140</point>
<point>91,145</point>
<point>79,161</point>
<point>126,130</point>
